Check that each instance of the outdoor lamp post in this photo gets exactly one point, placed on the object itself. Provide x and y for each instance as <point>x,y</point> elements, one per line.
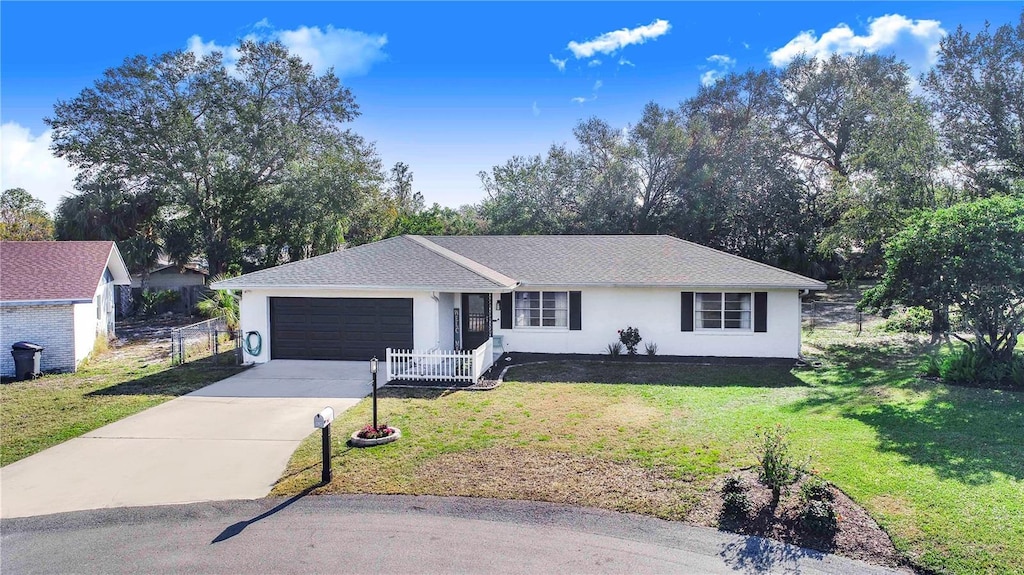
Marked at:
<point>373,370</point>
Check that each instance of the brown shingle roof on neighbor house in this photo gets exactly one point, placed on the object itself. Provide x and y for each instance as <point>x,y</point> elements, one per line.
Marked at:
<point>494,262</point>
<point>46,271</point>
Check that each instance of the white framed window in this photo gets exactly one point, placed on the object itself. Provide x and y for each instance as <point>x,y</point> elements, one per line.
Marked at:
<point>542,309</point>
<point>722,311</point>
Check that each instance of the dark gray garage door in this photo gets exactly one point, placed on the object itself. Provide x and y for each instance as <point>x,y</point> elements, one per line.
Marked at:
<point>338,328</point>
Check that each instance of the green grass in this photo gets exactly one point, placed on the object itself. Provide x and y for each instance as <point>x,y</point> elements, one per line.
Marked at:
<point>941,468</point>
<point>41,413</point>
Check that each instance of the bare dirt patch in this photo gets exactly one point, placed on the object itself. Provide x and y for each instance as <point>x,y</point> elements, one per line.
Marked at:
<point>858,536</point>
<point>146,339</point>
<point>509,473</point>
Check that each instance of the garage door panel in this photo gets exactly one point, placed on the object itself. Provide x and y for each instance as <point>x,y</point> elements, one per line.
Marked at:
<point>339,328</point>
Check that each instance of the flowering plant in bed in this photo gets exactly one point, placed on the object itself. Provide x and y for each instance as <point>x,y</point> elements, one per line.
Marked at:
<point>382,430</point>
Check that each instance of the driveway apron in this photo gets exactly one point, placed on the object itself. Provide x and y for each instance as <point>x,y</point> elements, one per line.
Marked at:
<point>229,440</point>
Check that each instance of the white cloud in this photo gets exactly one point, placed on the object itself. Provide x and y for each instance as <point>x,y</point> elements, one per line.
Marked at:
<point>597,85</point>
<point>560,64</point>
<point>26,162</point>
<point>200,49</point>
<point>746,46</point>
<point>536,110</point>
<point>349,52</point>
<point>710,77</point>
<point>594,63</point>
<point>625,62</point>
<point>581,99</point>
<point>916,40</point>
<point>721,65</point>
<point>611,42</point>
<point>722,60</point>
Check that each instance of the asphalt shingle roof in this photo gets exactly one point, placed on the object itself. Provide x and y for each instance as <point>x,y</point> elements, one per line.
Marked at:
<point>394,263</point>
<point>494,262</point>
<point>43,271</point>
<point>625,260</point>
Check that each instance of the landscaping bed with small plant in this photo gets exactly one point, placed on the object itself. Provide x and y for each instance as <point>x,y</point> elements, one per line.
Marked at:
<point>784,500</point>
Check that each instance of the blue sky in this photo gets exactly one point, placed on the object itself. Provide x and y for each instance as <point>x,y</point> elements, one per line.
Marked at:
<point>451,89</point>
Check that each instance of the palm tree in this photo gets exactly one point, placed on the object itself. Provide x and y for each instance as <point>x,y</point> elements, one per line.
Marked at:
<point>221,303</point>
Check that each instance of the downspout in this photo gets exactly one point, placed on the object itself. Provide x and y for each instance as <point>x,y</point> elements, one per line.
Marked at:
<point>800,324</point>
<point>437,323</point>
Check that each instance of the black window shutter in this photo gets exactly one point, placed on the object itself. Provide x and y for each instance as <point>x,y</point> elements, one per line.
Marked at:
<point>760,311</point>
<point>686,317</point>
<point>506,310</point>
<point>575,314</point>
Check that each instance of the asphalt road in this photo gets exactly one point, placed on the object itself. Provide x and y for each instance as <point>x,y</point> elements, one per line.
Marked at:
<point>388,534</point>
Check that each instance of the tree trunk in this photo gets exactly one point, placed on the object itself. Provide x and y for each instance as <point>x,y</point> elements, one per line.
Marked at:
<point>940,326</point>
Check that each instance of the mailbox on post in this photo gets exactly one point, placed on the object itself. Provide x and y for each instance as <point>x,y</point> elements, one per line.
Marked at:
<point>323,421</point>
<point>324,418</point>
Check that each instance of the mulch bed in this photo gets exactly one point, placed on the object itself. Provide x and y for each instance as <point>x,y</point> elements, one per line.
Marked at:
<point>858,536</point>
<point>516,358</point>
<point>492,378</point>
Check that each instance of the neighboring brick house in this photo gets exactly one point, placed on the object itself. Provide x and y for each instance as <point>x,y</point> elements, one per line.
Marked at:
<point>58,295</point>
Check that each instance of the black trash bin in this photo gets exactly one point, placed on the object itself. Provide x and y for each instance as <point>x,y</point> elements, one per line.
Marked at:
<point>26,359</point>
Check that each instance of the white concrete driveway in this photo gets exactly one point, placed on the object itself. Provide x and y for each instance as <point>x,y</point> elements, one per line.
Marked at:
<point>229,440</point>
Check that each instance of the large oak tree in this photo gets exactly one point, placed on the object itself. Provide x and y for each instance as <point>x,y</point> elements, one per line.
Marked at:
<point>207,138</point>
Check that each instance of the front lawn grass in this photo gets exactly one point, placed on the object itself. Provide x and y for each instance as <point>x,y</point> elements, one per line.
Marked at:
<point>43,412</point>
<point>940,467</point>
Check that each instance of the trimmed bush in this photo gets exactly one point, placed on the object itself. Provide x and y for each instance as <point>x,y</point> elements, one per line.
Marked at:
<point>816,489</point>
<point>820,517</point>
<point>735,503</point>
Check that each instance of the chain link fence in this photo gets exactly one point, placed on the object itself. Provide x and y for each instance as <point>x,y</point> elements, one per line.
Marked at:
<point>840,316</point>
<point>209,341</point>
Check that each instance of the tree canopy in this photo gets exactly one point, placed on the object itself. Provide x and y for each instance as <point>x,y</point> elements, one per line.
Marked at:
<point>813,167</point>
<point>219,146</point>
<point>977,91</point>
<point>969,256</point>
<point>23,217</point>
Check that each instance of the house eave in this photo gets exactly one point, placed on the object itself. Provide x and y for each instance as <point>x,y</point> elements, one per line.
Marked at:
<point>524,285</point>
<point>342,287</point>
<point>28,302</point>
<point>676,285</point>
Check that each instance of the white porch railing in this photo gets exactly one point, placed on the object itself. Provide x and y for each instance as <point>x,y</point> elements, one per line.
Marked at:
<point>439,365</point>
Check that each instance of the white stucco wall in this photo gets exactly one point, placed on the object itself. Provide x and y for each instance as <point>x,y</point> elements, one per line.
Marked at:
<point>656,313</point>
<point>446,320</point>
<point>94,319</point>
<point>86,328</point>
<point>255,314</point>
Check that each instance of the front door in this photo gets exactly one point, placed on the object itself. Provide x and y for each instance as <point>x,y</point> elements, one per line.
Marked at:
<point>476,319</point>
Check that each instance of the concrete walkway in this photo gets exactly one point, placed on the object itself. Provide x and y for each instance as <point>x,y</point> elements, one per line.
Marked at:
<point>229,440</point>
<point>392,534</point>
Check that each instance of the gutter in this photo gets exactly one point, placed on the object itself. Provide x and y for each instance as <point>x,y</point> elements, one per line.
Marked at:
<point>225,285</point>
<point>28,302</point>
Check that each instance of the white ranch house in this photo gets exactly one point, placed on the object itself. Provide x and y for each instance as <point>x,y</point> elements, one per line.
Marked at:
<point>439,298</point>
